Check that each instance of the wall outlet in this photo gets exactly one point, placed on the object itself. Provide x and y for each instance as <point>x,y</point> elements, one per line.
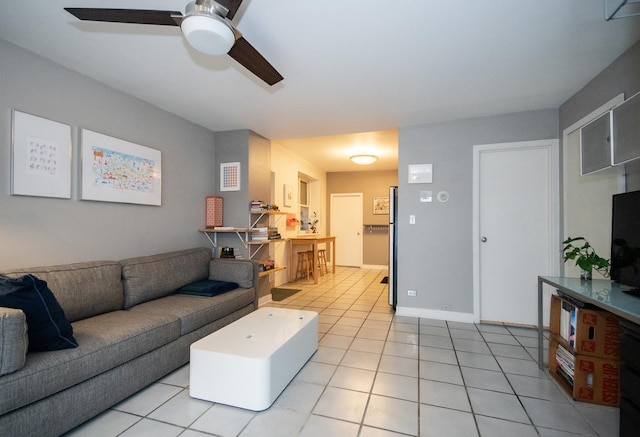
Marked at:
<point>412,293</point>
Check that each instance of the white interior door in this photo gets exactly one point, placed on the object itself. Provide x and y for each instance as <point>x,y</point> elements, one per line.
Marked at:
<point>346,226</point>
<point>515,227</point>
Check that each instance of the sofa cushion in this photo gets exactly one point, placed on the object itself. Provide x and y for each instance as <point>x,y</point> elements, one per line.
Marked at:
<point>150,277</point>
<point>208,287</point>
<point>83,289</point>
<point>233,270</point>
<point>13,340</point>
<point>47,327</point>
<point>197,311</point>
<point>105,341</point>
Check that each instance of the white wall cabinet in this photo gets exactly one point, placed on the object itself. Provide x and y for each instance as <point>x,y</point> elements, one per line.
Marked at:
<point>611,139</point>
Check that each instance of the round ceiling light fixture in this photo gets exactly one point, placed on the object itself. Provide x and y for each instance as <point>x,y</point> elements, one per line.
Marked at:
<point>208,34</point>
<point>364,159</point>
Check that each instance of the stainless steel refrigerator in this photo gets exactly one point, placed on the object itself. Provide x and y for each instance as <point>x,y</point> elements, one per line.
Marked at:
<point>393,246</point>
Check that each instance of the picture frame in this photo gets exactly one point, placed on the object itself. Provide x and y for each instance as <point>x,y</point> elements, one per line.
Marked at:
<point>115,170</point>
<point>380,205</point>
<point>230,176</point>
<point>287,195</point>
<point>40,156</point>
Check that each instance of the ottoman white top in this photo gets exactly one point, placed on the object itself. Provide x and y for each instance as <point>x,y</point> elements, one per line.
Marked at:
<point>258,334</point>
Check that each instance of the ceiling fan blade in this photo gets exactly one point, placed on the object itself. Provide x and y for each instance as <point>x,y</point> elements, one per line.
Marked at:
<point>136,16</point>
<point>231,5</point>
<point>252,60</point>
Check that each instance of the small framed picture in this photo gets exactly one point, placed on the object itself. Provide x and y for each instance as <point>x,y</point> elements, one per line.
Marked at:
<point>40,157</point>
<point>288,195</point>
<point>230,176</point>
<point>381,205</point>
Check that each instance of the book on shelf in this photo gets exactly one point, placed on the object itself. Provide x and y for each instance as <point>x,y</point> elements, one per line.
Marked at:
<point>563,376</point>
<point>565,364</point>
<point>257,206</point>
<point>260,234</point>
<point>568,317</point>
<point>273,233</point>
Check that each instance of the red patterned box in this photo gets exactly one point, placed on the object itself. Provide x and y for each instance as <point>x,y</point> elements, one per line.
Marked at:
<point>213,211</point>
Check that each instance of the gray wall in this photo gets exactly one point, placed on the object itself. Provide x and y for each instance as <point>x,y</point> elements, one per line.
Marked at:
<point>253,152</point>
<point>41,231</point>
<point>436,253</point>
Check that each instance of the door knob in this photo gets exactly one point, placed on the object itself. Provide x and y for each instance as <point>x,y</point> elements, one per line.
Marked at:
<point>483,239</point>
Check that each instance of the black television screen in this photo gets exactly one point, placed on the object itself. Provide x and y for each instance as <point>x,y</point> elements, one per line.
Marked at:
<point>625,239</point>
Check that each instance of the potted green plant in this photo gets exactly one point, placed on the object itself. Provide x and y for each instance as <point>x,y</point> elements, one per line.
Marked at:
<point>585,257</point>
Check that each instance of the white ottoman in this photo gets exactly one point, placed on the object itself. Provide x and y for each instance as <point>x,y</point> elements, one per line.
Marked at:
<point>249,362</point>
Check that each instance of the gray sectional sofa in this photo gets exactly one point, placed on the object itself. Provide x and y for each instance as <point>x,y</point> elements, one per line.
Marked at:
<point>131,328</point>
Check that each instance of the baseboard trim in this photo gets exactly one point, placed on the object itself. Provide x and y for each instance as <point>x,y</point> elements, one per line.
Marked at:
<point>374,267</point>
<point>424,313</point>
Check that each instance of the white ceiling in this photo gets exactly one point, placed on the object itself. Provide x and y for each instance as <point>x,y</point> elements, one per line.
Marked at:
<point>349,66</point>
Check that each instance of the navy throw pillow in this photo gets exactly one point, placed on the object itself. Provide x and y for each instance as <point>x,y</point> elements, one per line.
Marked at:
<point>208,287</point>
<point>47,326</point>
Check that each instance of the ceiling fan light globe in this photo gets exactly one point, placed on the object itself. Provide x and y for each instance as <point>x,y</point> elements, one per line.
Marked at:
<point>208,34</point>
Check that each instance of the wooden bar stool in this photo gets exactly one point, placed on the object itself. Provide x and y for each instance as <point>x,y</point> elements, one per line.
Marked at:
<point>305,265</point>
<point>322,261</point>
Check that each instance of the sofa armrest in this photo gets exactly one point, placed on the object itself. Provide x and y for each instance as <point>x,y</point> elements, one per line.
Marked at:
<point>243,272</point>
<point>13,340</point>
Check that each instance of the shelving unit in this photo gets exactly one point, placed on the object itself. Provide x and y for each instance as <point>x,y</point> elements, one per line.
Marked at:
<point>212,235</point>
<point>243,235</point>
<point>255,246</point>
<point>584,351</point>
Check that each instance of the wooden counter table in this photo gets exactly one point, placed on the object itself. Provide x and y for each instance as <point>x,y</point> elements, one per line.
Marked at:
<point>312,240</point>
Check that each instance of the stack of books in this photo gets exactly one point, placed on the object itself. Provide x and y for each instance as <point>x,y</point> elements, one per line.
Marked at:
<point>273,233</point>
<point>565,365</point>
<point>260,234</point>
<point>257,206</point>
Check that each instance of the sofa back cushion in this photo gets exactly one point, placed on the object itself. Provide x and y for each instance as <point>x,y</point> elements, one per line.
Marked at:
<point>151,277</point>
<point>82,289</point>
<point>233,270</point>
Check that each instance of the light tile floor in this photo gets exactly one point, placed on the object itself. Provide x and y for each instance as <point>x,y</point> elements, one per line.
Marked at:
<point>376,374</point>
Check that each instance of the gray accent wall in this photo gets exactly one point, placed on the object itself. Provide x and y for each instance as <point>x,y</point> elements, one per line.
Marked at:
<point>435,254</point>
<point>42,231</point>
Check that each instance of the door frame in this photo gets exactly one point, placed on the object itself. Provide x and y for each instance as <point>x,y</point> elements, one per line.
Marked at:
<point>554,243</point>
<point>331,220</point>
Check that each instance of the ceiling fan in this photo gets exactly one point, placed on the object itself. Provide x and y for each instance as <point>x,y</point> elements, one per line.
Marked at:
<point>205,25</point>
